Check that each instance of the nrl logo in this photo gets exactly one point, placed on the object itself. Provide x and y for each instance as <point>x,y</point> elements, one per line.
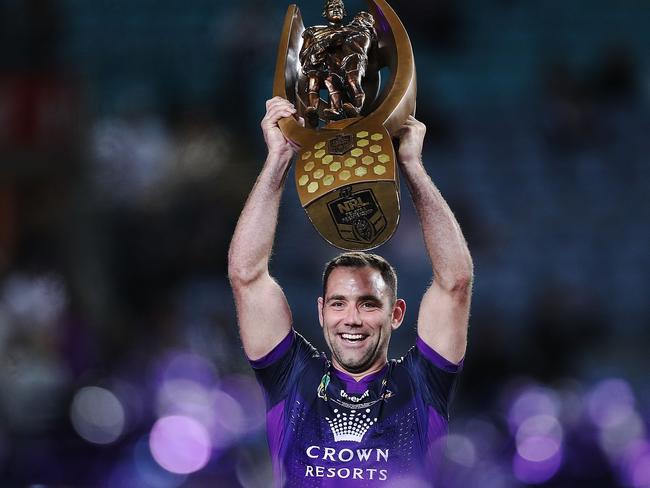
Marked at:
<point>358,216</point>
<point>340,144</point>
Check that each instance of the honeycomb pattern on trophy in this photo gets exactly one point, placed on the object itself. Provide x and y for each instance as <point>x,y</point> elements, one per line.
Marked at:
<point>370,156</point>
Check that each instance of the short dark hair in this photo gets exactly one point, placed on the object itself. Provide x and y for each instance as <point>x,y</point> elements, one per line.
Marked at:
<point>358,259</point>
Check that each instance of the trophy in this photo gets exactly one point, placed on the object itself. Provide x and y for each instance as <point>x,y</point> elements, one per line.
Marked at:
<point>346,172</point>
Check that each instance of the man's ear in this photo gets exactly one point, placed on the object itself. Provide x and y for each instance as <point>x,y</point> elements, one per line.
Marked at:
<point>320,310</point>
<point>399,310</point>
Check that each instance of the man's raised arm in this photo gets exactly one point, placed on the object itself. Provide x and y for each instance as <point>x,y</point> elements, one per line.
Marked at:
<point>262,310</point>
<point>444,311</point>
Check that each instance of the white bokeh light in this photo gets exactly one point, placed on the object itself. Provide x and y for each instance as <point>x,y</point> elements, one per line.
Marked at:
<point>97,415</point>
<point>460,450</point>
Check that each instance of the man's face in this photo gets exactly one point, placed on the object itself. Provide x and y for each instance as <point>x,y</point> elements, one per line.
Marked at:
<point>358,317</point>
<point>334,12</point>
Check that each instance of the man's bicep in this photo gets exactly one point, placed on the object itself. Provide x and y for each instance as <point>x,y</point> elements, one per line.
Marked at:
<point>443,319</point>
<point>263,315</point>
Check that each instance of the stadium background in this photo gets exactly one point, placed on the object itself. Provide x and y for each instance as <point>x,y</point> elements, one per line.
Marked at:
<point>129,139</point>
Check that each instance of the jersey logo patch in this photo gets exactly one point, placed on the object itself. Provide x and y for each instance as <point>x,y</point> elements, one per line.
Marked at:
<point>350,426</point>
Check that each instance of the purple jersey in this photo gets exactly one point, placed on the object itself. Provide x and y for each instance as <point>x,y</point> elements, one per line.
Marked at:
<point>325,429</point>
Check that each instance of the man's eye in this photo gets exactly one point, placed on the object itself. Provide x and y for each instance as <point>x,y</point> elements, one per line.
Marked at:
<point>369,305</point>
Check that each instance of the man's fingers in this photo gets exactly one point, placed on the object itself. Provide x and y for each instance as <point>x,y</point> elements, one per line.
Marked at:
<point>277,112</point>
<point>276,100</point>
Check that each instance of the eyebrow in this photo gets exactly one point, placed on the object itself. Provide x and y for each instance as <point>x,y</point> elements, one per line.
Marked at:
<point>362,298</point>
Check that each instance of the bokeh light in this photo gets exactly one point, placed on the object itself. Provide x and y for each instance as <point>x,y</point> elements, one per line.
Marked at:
<point>137,468</point>
<point>460,450</point>
<point>123,172</point>
<point>35,300</point>
<point>487,439</point>
<point>219,413</point>
<point>634,465</point>
<point>187,365</point>
<point>186,397</point>
<point>539,438</point>
<point>614,439</point>
<point>610,402</point>
<point>97,415</point>
<point>246,392</point>
<point>535,472</point>
<point>532,401</point>
<point>230,419</point>
<point>253,469</point>
<point>150,471</point>
<point>180,444</point>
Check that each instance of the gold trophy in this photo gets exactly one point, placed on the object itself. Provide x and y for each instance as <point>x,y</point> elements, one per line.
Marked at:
<point>346,173</point>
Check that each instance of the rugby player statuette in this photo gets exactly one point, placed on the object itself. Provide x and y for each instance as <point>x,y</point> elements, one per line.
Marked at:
<point>346,173</point>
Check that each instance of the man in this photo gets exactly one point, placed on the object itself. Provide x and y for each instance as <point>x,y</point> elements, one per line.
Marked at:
<point>358,420</point>
<point>335,56</point>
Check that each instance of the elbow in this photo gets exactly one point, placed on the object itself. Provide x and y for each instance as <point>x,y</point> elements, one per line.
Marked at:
<point>460,284</point>
<point>241,274</point>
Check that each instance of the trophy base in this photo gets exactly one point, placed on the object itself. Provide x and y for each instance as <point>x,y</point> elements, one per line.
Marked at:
<point>347,181</point>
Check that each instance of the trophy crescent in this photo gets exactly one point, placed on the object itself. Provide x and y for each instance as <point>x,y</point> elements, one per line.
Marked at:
<point>346,172</point>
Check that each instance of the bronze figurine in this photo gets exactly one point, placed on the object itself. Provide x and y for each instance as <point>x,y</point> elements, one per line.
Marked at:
<point>335,56</point>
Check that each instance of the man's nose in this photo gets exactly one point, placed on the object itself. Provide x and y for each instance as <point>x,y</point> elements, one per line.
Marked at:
<point>353,317</point>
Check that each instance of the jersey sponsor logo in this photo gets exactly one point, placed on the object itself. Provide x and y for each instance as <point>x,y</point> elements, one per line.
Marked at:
<point>355,399</point>
<point>350,426</point>
<point>347,456</point>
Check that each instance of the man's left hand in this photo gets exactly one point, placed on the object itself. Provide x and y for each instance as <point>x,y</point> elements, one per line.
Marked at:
<point>411,139</point>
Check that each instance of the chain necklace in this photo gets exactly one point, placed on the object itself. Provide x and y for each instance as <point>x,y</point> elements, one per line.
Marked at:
<point>321,392</point>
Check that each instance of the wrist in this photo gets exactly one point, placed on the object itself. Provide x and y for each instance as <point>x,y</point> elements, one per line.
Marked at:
<point>279,155</point>
<point>411,161</point>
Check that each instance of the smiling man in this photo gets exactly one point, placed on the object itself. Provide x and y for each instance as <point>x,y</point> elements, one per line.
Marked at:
<point>357,419</point>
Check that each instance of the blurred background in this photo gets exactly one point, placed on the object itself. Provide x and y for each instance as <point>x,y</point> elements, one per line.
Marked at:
<point>129,139</point>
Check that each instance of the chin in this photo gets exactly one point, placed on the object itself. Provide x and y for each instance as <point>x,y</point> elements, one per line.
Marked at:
<point>355,366</point>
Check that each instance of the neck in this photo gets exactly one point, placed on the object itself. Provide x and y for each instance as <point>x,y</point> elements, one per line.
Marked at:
<point>359,376</point>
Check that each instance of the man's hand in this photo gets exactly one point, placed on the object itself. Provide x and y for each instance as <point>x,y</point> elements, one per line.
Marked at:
<point>277,145</point>
<point>411,139</point>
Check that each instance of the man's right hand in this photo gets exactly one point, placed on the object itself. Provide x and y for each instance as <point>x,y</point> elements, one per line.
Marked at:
<point>278,145</point>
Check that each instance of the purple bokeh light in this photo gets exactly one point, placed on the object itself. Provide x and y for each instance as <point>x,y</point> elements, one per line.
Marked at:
<point>487,439</point>
<point>610,402</point>
<point>535,472</point>
<point>190,366</point>
<point>539,438</point>
<point>180,444</point>
<point>634,465</point>
<point>186,397</point>
<point>539,449</point>
<point>532,401</point>
<point>246,391</point>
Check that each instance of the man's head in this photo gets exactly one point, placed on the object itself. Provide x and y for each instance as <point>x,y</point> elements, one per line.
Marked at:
<point>334,11</point>
<point>359,310</point>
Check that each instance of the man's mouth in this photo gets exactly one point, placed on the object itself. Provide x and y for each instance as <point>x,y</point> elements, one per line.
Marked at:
<point>353,338</point>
